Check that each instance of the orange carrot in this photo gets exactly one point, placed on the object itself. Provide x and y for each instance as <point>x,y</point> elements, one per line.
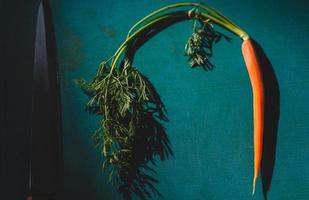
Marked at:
<point>256,79</point>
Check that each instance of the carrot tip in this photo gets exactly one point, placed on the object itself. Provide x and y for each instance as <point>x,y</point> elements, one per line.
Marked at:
<point>254,184</point>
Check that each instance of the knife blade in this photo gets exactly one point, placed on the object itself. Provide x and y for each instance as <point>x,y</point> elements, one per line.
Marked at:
<point>45,134</point>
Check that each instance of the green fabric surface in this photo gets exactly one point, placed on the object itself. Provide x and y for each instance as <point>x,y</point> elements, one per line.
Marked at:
<point>210,113</point>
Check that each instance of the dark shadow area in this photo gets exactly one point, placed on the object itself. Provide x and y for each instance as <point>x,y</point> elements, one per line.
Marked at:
<point>272,113</point>
<point>150,144</point>
<point>150,32</point>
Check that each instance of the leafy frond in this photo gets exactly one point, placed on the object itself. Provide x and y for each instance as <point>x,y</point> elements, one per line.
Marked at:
<point>131,133</point>
<point>199,47</point>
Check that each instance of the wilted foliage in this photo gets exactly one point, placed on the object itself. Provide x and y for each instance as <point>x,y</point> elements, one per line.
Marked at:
<point>131,134</point>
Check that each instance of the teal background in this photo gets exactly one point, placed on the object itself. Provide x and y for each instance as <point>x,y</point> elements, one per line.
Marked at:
<point>210,113</point>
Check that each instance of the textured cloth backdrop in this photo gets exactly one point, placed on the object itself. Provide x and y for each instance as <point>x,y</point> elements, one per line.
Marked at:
<point>210,113</point>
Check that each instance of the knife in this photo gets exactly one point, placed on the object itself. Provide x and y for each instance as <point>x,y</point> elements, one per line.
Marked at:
<point>45,165</point>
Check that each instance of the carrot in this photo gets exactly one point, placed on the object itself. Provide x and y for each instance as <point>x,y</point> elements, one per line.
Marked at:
<point>254,69</point>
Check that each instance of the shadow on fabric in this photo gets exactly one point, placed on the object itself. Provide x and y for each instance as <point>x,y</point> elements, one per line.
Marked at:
<point>272,113</point>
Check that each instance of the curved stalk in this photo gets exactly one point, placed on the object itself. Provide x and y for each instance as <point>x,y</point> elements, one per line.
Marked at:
<point>123,45</point>
<point>186,16</point>
<point>224,20</point>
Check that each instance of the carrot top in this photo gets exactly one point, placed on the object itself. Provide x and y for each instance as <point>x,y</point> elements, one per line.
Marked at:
<point>131,134</point>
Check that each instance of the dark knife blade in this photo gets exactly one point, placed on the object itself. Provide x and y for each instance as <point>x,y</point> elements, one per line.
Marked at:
<point>45,150</point>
